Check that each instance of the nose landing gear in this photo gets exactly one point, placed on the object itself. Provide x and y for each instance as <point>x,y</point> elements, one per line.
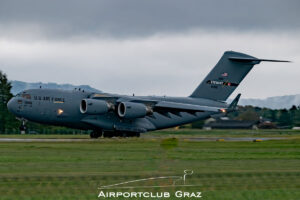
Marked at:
<point>23,127</point>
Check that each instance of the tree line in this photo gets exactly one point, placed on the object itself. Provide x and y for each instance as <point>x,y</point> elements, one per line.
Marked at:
<point>281,118</point>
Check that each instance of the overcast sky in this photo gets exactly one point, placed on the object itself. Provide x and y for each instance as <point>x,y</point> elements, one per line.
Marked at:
<point>146,47</point>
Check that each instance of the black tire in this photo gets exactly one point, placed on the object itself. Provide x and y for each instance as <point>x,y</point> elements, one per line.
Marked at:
<point>96,134</point>
<point>108,134</point>
<point>92,135</point>
<point>22,128</point>
<point>132,134</point>
<point>124,134</point>
<point>117,134</point>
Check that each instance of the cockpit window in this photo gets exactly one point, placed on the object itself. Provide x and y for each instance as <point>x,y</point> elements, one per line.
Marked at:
<point>26,96</point>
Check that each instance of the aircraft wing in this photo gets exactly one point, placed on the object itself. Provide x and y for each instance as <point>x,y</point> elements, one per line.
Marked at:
<point>181,107</point>
<point>167,106</point>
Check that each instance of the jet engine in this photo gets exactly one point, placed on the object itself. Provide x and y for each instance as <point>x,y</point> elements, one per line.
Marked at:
<point>131,110</point>
<point>94,106</point>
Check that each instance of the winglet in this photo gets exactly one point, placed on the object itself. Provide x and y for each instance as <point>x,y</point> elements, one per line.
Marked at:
<point>234,103</point>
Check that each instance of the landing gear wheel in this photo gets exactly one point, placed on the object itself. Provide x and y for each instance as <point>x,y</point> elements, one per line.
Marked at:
<point>134,134</point>
<point>137,135</point>
<point>130,134</point>
<point>120,134</point>
<point>23,127</point>
<point>108,134</point>
<point>96,134</point>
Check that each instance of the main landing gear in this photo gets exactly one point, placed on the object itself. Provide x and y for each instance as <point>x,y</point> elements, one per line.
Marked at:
<point>96,134</point>
<point>125,134</point>
<point>110,134</point>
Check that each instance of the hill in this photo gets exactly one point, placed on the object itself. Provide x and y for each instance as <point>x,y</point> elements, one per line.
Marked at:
<point>18,86</point>
<point>277,102</point>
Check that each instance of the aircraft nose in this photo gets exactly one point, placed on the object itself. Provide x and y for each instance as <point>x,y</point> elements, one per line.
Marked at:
<point>11,104</point>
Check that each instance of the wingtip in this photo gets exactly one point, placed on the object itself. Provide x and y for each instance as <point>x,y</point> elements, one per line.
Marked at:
<point>271,60</point>
<point>258,60</point>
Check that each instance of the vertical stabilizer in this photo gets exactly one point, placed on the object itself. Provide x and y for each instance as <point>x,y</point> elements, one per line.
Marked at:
<point>226,76</point>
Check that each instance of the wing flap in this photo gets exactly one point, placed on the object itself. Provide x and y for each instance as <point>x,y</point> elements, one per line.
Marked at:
<point>181,107</point>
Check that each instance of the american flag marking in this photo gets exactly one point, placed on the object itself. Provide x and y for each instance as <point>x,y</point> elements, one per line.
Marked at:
<point>225,74</point>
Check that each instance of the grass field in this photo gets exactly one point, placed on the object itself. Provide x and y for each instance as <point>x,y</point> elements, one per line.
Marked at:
<point>222,170</point>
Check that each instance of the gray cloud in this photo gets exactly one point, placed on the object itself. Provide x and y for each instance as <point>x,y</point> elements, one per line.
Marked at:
<point>149,47</point>
<point>163,65</point>
<point>136,18</point>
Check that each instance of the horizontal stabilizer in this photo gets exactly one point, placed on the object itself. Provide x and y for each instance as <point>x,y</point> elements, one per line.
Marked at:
<point>241,59</point>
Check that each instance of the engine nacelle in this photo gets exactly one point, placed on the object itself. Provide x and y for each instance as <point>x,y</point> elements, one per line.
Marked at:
<point>94,106</point>
<point>131,110</point>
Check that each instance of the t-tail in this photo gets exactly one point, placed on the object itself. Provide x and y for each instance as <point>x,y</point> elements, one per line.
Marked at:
<point>226,76</point>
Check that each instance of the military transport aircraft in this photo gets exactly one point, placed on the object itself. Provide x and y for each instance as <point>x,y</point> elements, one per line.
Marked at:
<point>124,116</point>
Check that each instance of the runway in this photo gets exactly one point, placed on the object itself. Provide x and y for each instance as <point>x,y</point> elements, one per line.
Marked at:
<point>238,139</point>
<point>44,140</point>
<point>241,139</point>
